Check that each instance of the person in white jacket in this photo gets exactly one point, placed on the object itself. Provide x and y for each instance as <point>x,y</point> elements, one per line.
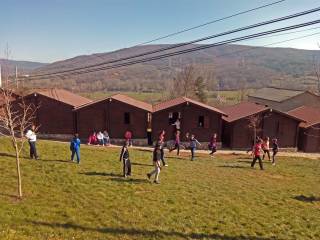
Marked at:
<point>32,139</point>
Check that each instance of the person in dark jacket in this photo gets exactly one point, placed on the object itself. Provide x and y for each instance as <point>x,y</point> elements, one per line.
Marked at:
<point>124,157</point>
<point>161,143</point>
<point>75,147</point>
<point>275,150</point>
<point>213,144</point>
<point>156,162</point>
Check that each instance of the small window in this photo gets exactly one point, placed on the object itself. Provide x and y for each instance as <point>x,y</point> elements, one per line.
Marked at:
<point>173,117</point>
<point>201,121</point>
<point>126,118</point>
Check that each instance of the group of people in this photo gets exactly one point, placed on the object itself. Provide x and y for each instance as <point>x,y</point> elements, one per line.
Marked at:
<point>262,147</point>
<point>100,138</point>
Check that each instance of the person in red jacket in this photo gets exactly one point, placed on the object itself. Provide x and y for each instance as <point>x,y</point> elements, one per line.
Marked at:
<point>93,139</point>
<point>257,149</point>
<point>128,137</point>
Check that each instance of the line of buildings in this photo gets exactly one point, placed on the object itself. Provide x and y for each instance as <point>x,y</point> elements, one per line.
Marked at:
<point>293,117</point>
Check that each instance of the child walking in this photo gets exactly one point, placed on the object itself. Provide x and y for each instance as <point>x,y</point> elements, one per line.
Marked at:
<point>161,146</point>
<point>193,145</point>
<point>75,147</point>
<point>257,154</point>
<point>124,157</point>
<point>176,143</point>
<point>156,163</point>
<point>275,150</point>
<point>266,148</point>
<point>213,144</point>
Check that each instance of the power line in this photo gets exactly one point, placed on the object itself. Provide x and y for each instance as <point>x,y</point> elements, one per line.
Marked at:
<point>199,47</point>
<point>208,23</point>
<point>185,44</point>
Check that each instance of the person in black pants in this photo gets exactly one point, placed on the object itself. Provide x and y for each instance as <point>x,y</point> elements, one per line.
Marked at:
<point>161,144</point>
<point>32,138</point>
<point>275,150</point>
<point>124,157</point>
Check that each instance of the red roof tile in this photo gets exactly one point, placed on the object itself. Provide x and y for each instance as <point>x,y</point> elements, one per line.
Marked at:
<point>177,101</point>
<point>310,115</point>
<point>64,96</point>
<point>242,110</point>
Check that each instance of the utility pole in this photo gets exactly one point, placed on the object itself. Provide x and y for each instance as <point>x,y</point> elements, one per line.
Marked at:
<point>0,77</point>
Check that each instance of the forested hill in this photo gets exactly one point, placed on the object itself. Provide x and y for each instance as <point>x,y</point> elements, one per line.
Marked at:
<point>24,66</point>
<point>226,67</point>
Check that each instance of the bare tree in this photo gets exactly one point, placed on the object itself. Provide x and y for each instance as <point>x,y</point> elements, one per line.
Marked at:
<point>254,124</point>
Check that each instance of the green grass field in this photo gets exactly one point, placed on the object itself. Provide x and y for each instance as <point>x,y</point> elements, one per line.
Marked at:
<point>211,198</point>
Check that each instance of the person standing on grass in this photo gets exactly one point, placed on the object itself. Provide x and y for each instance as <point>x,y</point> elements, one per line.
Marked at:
<point>176,143</point>
<point>124,157</point>
<point>257,154</point>
<point>75,147</point>
<point>161,146</point>
<point>275,150</point>
<point>156,162</point>
<point>32,139</point>
<point>213,144</point>
<point>266,148</point>
<point>193,145</point>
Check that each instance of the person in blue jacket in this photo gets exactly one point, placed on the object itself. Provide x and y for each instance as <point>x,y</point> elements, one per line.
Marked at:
<point>75,147</point>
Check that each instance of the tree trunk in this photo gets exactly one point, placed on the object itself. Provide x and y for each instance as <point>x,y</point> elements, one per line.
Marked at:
<point>18,173</point>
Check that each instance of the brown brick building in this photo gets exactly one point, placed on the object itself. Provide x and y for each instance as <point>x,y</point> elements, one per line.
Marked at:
<point>270,122</point>
<point>309,131</point>
<point>284,99</point>
<point>195,117</point>
<point>54,114</point>
<point>116,114</point>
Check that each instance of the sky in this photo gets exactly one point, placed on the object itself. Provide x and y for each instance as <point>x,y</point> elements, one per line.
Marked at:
<point>53,30</point>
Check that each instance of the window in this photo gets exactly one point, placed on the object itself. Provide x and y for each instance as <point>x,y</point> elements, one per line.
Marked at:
<point>173,117</point>
<point>201,121</point>
<point>126,118</point>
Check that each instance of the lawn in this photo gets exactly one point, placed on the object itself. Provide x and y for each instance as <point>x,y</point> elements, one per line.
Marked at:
<point>211,198</point>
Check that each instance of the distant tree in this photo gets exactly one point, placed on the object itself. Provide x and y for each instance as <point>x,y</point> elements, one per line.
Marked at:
<point>316,68</point>
<point>188,83</point>
<point>200,90</point>
<point>254,124</point>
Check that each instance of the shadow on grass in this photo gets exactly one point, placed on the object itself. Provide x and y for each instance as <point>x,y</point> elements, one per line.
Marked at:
<point>303,198</point>
<point>158,234</point>
<point>12,156</point>
<point>128,180</point>
<point>141,164</point>
<point>233,166</point>
<point>56,160</point>
<point>100,174</point>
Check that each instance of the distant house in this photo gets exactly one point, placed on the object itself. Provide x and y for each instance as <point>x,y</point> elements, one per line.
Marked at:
<point>116,114</point>
<point>195,117</point>
<point>270,122</point>
<point>54,114</point>
<point>309,132</point>
<point>284,99</point>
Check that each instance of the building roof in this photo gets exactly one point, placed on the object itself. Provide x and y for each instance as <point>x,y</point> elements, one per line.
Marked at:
<point>124,99</point>
<point>310,115</point>
<point>177,101</point>
<point>276,94</point>
<point>64,96</point>
<point>242,110</point>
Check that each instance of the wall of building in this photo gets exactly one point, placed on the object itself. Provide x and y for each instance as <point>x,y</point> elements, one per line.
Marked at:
<point>283,128</point>
<point>311,140</point>
<point>109,115</point>
<point>52,116</point>
<point>189,114</point>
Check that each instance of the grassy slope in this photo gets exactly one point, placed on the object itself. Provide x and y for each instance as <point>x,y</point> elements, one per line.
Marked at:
<point>220,198</point>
